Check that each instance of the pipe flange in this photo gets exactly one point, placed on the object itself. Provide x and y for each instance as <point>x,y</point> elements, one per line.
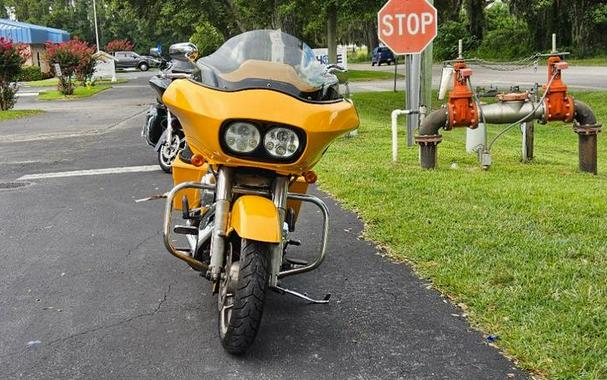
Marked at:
<point>588,130</point>
<point>429,139</point>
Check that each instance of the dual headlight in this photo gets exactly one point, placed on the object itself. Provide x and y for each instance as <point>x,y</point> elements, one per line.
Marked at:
<point>245,138</point>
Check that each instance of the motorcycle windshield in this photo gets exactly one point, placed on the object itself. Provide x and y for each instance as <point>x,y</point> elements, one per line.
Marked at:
<point>268,59</point>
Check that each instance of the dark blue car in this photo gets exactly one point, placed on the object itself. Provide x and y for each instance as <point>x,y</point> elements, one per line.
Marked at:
<point>382,55</point>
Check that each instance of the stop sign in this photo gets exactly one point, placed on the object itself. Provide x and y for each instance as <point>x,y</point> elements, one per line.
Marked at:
<point>407,26</point>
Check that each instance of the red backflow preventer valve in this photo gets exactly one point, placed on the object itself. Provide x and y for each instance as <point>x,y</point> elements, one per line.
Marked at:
<point>463,111</point>
<point>559,105</point>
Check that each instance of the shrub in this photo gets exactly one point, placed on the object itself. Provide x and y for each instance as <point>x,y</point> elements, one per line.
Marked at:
<point>207,38</point>
<point>119,45</point>
<point>74,58</point>
<point>11,58</point>
<point>30,73</point>
<point>446,43</point>
<point>506,37</point>
<point>86,69</point>
<point>507,43</point>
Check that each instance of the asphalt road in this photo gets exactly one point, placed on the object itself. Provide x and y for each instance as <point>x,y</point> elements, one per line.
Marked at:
<point>88,291</point>
<point>576,77</point>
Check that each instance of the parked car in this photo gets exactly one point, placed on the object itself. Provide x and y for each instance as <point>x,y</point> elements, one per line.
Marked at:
<point>382,55</point>
<point>132,60</point>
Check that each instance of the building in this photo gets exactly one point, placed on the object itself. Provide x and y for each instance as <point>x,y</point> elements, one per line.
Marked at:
<point>34,37</point>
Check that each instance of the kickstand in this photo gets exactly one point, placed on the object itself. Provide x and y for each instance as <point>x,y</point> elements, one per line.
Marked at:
<point>302,296</point>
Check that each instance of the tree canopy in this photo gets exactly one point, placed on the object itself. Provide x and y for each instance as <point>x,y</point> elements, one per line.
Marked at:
<point>484,24</point>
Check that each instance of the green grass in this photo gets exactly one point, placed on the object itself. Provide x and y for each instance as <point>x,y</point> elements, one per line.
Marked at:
<point>79,92</point>
<point>53,82</point>
<point>597,61</point>
<point>16,114</point>
<point>522,246</point>
<point>364,75</point>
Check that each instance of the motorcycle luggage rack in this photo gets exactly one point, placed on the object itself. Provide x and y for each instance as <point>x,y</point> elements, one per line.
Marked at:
<point>198,265</point>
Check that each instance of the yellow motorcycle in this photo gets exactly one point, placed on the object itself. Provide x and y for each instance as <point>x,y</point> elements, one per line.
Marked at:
<point>258,114</point>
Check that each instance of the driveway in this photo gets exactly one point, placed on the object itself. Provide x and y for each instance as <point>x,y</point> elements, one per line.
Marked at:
<point>88,290</point>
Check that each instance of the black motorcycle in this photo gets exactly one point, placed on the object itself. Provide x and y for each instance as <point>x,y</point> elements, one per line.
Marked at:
<point>168,142</point>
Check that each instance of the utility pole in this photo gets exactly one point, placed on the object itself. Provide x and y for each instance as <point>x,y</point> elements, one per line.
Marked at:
<point>96,28</point>
<point>426,98</point>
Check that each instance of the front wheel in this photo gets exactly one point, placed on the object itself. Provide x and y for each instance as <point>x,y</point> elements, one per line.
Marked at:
<point>168,152</point>
<point>242,293</point>
<point>144,66</point>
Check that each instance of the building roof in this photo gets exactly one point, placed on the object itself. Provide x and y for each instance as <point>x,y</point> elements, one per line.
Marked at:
<point>25,33</point>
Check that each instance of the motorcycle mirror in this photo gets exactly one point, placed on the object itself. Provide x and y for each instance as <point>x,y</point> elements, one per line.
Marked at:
<point>336,68</point>
<point>184,51</point>
<point>154,52</point>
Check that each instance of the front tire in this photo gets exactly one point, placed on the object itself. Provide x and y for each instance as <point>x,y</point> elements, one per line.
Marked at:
<point>241,299</point>
<point>168,153</point>
<point>144,67</point>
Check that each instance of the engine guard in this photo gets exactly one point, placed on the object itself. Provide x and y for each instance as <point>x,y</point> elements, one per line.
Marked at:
<point>187,256</point>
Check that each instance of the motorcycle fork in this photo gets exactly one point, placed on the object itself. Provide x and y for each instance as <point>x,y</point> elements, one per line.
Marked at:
<point>169,137</point>
<point>223,199</point>
<point>280,194</point>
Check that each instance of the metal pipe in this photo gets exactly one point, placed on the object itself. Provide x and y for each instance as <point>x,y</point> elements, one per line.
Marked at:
<point>429,137</point>
<point>588,151</point>
<point>528,140</point>
<point>166,231</point>
<point>587,129</point>
<point>512,112</point>
<point>168,212</point>
<point>413,77</point>
<point>434,122</point>
<point>584,114</point>
<point>325,233</point>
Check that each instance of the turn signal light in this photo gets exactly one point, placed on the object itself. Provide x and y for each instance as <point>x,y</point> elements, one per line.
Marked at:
<point>198,160</point>
<point>310,177</point>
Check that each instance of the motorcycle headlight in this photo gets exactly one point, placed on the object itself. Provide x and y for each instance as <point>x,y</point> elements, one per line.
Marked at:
<point>242,137</point>
<point>281,142</point>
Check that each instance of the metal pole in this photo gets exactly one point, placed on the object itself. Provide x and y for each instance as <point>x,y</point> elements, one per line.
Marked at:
<point>460,49</point>
<point>554,43</point>
<point>414,63</point>
<point>427,59</point>
<point>96,28</point>
<point>395,71</point>
<point>528,139</point>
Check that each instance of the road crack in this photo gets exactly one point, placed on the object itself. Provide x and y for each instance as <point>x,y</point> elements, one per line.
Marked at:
<point>156,310</point>
<point>142,242</point>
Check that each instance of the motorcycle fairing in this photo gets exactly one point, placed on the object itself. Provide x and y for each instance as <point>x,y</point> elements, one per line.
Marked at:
<point>202,111</point>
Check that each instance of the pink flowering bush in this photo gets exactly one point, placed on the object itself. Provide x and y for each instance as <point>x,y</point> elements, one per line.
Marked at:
<point>12,56</point>
<point>75,58</point>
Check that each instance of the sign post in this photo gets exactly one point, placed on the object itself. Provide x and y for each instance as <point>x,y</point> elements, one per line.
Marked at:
<point>407,27</point>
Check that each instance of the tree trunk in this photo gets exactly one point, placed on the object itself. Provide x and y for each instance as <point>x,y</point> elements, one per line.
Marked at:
<point>332,32</point>
<point>372,38</point>
<point>476,15</point>
<point>579,26</point>
<point>448,10</point>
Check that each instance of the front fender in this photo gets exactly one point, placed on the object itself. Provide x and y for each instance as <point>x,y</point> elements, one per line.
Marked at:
<point>256,218</point>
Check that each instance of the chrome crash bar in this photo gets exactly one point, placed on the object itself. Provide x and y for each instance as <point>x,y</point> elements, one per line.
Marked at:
<point>187,257</point>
